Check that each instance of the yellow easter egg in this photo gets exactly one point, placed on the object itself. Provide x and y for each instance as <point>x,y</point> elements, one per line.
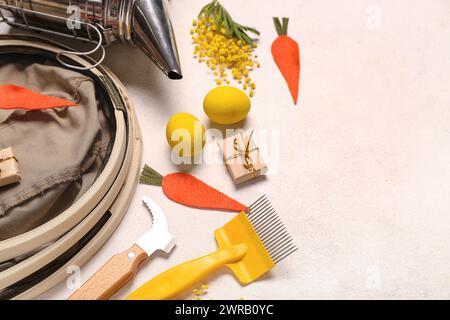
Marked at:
<point>185,134</point>
<point>226,105</point>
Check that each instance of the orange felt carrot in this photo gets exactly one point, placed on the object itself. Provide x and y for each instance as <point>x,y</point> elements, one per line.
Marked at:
<point>15,97</point>
<point>286,54</point>
<point>190,191</point>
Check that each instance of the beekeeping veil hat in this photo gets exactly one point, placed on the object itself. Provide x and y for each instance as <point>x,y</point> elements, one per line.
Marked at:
<point>79,166</point>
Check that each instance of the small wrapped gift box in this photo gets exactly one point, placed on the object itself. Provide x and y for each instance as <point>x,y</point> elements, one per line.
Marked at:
<point>243,158</point>
<point>9,167</point>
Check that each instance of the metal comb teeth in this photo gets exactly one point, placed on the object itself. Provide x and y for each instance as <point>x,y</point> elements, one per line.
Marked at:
<point>271,230</point>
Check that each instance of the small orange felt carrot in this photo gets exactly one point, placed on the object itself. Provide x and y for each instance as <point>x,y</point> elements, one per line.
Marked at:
<point>190,191</point>
<point>286,54</point>
<point>16,97</point>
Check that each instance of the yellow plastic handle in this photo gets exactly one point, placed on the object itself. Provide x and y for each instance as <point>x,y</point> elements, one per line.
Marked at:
<point>186,275</point>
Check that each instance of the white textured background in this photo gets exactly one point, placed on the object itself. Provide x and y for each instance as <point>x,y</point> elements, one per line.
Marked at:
<point>364,180</point>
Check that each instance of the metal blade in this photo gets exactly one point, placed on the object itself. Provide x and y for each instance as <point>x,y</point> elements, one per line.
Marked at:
<point>158,237</point>
<point>158,216</point>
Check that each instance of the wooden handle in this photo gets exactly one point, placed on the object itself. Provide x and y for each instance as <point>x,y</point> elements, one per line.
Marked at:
<point>112,276</point>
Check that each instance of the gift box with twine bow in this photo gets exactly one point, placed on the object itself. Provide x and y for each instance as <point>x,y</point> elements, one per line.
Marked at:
<point>243,158</point>
<point>9,167</point>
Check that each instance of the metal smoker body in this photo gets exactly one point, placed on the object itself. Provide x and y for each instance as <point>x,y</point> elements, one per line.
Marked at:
<point>141,23</point>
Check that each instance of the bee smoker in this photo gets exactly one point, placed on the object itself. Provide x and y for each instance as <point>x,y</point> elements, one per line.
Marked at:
<point>142,23</point>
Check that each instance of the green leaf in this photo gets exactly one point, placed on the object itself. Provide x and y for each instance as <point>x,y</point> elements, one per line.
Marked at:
<point>204,9</point>
<point>218,18</point>
<point>278,26</point>
<point>223,19</point>
<point>246,38</point>
<point>285,25</point>
<point>252,30</point>
<point>227,25</point>
<point>208,13</point>
<point>150,176</point>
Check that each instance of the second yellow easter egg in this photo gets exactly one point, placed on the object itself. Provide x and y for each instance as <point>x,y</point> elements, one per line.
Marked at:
<point>226,105</point>
<point>185,134</point>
